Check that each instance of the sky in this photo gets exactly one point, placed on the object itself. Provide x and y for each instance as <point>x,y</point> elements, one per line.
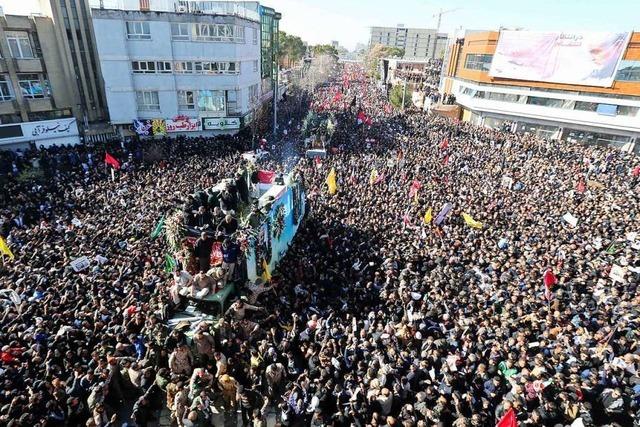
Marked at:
<point>348,21</point>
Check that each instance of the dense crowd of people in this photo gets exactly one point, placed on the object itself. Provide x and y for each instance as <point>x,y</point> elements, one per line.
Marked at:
<point>389,309</point>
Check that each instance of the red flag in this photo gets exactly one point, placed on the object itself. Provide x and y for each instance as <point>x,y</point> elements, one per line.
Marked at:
<point>445,161</point>
<point>636,171</point>
<point>444,144</point>
<point>362,117</point>
<point>508,419</point>
<point>337,97</point>
<point>549,279</point>
<point>581,187</point>
<point>415,187</point>
<point>110,160</point>
<point>266,177</point>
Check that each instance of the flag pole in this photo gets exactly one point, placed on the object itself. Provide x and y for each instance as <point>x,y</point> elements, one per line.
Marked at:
<point>113,174</point>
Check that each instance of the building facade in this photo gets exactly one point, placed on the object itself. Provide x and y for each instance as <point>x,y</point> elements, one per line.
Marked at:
<point>74,37</point>
<point>417,43</point>
<point>36,104</point>
<point>194,72</point>
<point>575,113</point>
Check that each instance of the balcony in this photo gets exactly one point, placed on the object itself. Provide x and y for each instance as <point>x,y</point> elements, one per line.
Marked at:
<point>9,107</point>
<point>3,66</point>
<point>28,65</point>
<point>42,104</point>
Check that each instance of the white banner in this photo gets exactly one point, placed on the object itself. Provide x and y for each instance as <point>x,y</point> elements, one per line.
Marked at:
<point>221,123</point>
<point>580,58</point>
<point>183,124</point>
<point>47,129</point>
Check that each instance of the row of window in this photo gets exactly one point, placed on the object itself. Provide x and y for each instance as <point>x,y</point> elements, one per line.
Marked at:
<point>198,100</point>
<point>31,86</point>
<point>141,30</point>
<point>567,104</point>
<point>480,62</point>
<point>188,67</point>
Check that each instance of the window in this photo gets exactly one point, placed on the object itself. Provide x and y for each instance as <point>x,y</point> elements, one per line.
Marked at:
<point>253,94</point>
<point>254,35</point>
<point>585,106</point>
<point>232,101</point>
<point>545,102</point>
<point>186,100</point>
<point>143,67</point>
<point>163,67</point>
<point>628,71</point>
<point>138,30</point>
<point>184,67</point>
<point>19,44</point>
<point>218,33</point>
<point>31,87</point>
<point>478,62</point>
<point>624,110</point>
<point>201,67</point>
<point>255,66</point>
<point>211,100</point>
<point>5,89</point>
<point>147,100</point>
<point>180,31</point>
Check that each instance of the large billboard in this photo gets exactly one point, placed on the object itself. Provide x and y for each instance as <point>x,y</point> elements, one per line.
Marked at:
<point>580,58</point>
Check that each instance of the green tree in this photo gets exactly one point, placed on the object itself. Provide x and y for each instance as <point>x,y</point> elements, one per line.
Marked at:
<point>324,49</point>
<point>292,49</point>
<point>395,95</point>
<point>378,52</point>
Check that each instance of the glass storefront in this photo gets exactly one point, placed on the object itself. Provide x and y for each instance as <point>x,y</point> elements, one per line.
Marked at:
<point>541,131</point>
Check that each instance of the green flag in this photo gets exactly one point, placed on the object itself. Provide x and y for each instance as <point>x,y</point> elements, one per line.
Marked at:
<point>169,263</point>
<point>159,227</point>
<point>614,248</point>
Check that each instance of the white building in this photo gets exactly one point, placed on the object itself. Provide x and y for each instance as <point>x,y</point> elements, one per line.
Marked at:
<point>417,43</point>
<point>197,72</point>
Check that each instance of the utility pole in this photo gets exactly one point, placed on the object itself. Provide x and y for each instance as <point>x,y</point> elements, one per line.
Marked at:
<point>404,92</point>
<point>439,16</point>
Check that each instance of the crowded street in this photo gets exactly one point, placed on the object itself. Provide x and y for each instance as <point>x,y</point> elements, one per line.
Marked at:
<point>446,275</point>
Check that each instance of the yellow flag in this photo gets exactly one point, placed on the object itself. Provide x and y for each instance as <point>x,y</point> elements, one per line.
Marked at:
<point>331,182</point>
<point>468,219</point>
<point>428,216</point>
<point>4,249</point>
<point>373,176</point>
<point>266,276</point>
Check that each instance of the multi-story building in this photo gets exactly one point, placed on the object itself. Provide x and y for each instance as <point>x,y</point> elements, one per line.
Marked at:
<point>73,35</point>
<point>36,104</point>
<point>198,68</point>
<point>579,95</point>
<point>417,43</point>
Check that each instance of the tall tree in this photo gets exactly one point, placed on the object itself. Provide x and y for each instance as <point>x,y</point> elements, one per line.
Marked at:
<point>325,49</point>
<point>380,51</point>
<point>292,49</point>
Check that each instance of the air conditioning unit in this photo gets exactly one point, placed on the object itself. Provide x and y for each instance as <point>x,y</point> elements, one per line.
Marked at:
<point>182,8</point>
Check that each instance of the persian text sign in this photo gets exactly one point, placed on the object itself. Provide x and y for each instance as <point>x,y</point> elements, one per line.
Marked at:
<point>183,124</point>
<point>50,129</point>
<point>221,123</point>
<point>580,58</point>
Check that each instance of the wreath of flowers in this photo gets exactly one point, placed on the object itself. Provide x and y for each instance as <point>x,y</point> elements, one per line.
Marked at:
<point>278,222</point>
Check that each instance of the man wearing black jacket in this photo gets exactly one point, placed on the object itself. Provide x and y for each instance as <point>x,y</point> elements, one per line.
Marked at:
<point>202,251</point>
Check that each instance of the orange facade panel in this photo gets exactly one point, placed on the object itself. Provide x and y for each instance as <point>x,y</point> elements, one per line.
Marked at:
<point>486,42</point>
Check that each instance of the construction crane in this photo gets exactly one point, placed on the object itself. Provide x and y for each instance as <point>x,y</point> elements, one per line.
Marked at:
<point>439,15</point>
